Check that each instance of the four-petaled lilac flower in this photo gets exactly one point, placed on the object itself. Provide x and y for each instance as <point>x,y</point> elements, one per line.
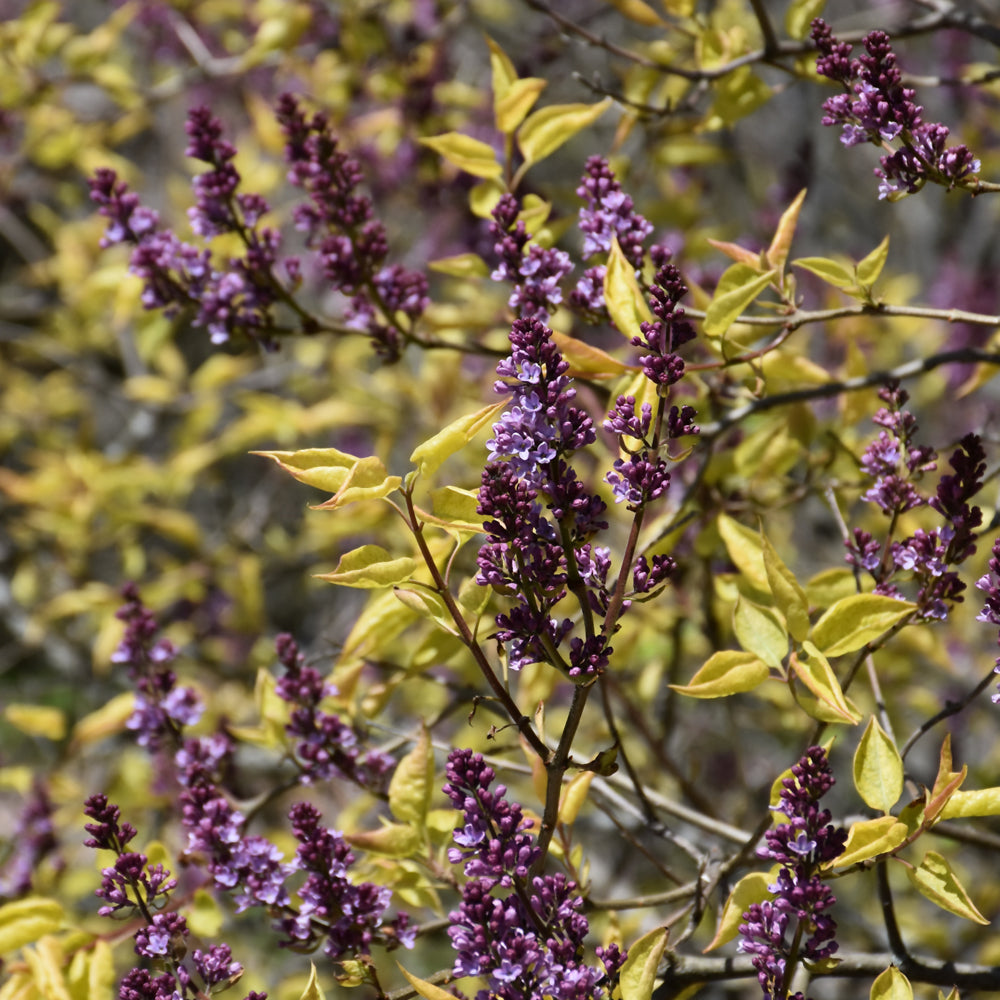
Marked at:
<point>801,845</point>
<point>877,108</point>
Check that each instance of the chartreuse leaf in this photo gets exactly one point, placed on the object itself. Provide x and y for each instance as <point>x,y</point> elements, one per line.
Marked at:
<point>638,11</point>
<point>891,985</point>
<point>744,548</point>
<point>26,920</point>
<point>946,783</point>
<point>752,888</point>
<point>781,242</point>
<point>425,989</point>
<point>789,597</point>
<point>370,567</point>
<point>454,509</point>
<point>869,838</point>
<point>833,272</point>
<point>878,768</point>
<point>462,265</point>
<point>983,802</point>
<point>799,17</point>
<point>573,797</point>
<point>586,361</point>
<point>101,970</point>
<point>46,960</point>
<point>935,880</point>
<point>511,109</point>
<point>739,285</point>
<point>502,70</point>
<point>394,840</point>
<point>622,295</point>
<point>760,632</point>
<point>726,672</point>
<point>471,155</point>
<point>854,621</point>
<point>870,267</point>
<point>815,672</point>
<point>312,990</point>
<point>638,972</point>
<point>347,477</point>
<point>545,130</point>
<point>412,783</point>
<point>429,456</point>
<point>205,917</point>
<point>952,994</point>
<point>37,720</point>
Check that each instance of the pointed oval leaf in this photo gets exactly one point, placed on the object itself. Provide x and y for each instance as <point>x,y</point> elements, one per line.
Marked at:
<point>869,838</point>
<point>511,109</point>
<point>347,477</point>
<point>36,720</point>
<point>544,131</point>
<point>735,252</point>
<point>638,972</point>
<point>586,361</point>
<point>777,252</point>
<point>429,456</point>
<point>891,985</point>
<point>737,288</point>
<point>394,840</point>
<point>878,768</point>
<point>101,970</point>
<point>760,632</point>
<point>369,567</point>
<point>462,265</point>
<point>502,69</point>
<point>312,990</point>
<point>789,597</point>
<point>870,267</point>
<point>638,11</point>
<point>744,548</point>
<point>935,880</point>
<point>799,17</point>
<point>26,920</point>
<point>412,783</point>
<point>984,802</point>
<point>471,155</point>
<point>817,675</point>
<point>726,672</point>
<point>425,989</point>
<point>833,272</point>
<point>855,621</point>
<point>752,888</point>
<point>573,797</point>
<point>626,304</point>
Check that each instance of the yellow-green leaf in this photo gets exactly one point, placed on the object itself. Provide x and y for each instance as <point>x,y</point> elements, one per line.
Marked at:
<point>394,840</point>
<point>205,917</point>
<point>429,456</point>
<point>935,880</point>
<point>739,285</point>
<point>638,972</point>
<point>626,304</point>
<point>37,720</point>
<point>870,267</point>
<point>454,509</point>
<point>545,130</point>
<point>744,548</point>
<point>737,253</point>
<point>462,265</point>
<point>104,721</point>
<point>412,782</point>
<point>638,11</point>
<point>425,989</point>
<point>833,272</point>
<point>946,783</point>
<point>101,970</point>
<point>471,155</point>
<point>891,985</point>
<point>502,69</point>
<point>45,960</point>
<point>777,252</point>
<point>857,620</point>
<point>370,567</point>
<point>799,17</point>
<point>586,361</point>
<point>347,477</point>
<point>878,768</point>
<point>573,797</point>
<point>983,802</point>
<point>726,672</point>
<point>312,990</point>
<point>26,920</point>
<point>830,585</point>
<point>760,632</point>
<point>752,888</point>
<point>510,109</point>
<point>869,838</point>
<point>789,597</point>
<point>817,675</point>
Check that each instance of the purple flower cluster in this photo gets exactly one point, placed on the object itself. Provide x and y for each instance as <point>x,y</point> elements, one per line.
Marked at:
<point>237,298</point>
<point>897,463</point>
<point>608,213</point>
<point>386,300</point>
<point>989,584</point>
<point>33,840</point>
<point>526,553</point>
<point>535,272</point>
<point>347,915</point>
<point>801,898</point>
<point>527,941</point>
<point>161,708</point>
<point>133,888</point>
<point>325,746</point>
<point>877,108</point>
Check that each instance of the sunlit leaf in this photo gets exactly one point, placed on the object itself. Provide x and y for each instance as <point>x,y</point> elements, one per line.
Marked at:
<point>26,920</point>
<point>789,597</point>
<point>370,566</point>
<point>871,837</point>
<point>752,888</point>
<point>412,782</point>
<point>545,130</point>
<point>638,973</point>
<point>312,990</point>
<point>799,16</point>
<point>878,768</point>
<point>429,456</point>
<point>471,155</point>
<point>935,880</point>
<point>739,285</point>
<point>870,267</point>
<point>760,632</point>
<point>626,304</point>
<point>857,620</point>
<point>817,675</point>
<point>781,242</point>
<point>573,797</point>
<point>891,985</point>
<point>425,989</point>
<point>726,672</point>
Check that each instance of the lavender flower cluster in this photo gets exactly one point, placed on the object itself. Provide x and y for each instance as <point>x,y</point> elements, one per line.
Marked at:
<point>877,108</point>
<point>131,887</point>
<point>528,940</point>
<point>989,584</point>
<point>801,898</point>
<point>238,296</point>
<point>897,463</point>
